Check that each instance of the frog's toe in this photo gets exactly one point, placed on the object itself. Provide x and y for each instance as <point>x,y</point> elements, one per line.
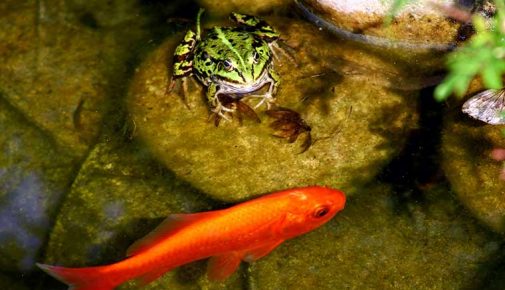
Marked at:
<point>267,99</point>
<point>282,49</point>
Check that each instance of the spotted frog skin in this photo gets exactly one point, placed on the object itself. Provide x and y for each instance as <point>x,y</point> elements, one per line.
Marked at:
<point>233,61</point>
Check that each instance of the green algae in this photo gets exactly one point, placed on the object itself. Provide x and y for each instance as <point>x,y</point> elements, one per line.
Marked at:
<point>61,71</point>
<point>353,129</point>
<point>223,8</point>
<point>379,243</point>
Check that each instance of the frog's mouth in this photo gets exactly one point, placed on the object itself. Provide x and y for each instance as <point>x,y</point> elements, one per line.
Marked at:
<point>228,87</point>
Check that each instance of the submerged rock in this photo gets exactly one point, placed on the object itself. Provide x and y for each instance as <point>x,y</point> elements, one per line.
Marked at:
<point>34,174</point>
<point>253,7</point>
<point>475,177</point>
<point>349,98</point>
<point>120,195</point>
<point>60,67</point>
<point>379,242</point>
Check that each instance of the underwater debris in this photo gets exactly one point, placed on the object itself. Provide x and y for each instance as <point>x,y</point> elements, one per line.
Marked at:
<point>487,106</point>
<point>289,125</point>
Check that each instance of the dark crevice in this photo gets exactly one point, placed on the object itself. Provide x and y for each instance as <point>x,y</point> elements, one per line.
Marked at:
<point>418,164</point>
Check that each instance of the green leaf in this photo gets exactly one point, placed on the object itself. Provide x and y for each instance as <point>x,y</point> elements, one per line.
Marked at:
<point>444,89</point>
<point>491,76</point>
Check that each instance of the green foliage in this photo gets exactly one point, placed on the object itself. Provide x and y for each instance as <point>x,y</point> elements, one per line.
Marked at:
<point>483,54</point>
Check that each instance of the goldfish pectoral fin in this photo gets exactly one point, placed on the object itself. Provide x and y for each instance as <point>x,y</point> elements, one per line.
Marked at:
<point>151,276</point>
<point>168,227</point>
<point>222,266</point>
<point>259,252</point>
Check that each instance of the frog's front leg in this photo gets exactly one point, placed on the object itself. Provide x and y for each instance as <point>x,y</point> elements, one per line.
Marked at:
<point>273,83</point>
<point>215,104</point>
<point>276,80</point>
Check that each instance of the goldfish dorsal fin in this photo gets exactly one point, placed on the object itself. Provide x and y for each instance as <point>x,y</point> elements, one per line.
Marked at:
<point>172,224</point>
<point>222,266</point>
<point>259,252</point>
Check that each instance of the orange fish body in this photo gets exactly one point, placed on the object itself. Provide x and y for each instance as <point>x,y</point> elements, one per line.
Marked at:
<point>244,232</point>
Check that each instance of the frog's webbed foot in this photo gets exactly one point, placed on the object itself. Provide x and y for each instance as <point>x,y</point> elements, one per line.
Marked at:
<point>267,99</point>
<point>228,106</point>
<point>221,107</point>
<point>279,48</point>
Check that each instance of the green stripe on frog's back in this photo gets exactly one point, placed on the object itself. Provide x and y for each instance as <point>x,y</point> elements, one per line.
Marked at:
<point>226,42</point>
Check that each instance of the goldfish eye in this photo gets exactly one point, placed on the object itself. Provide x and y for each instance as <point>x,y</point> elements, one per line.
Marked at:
<point>321,212</point>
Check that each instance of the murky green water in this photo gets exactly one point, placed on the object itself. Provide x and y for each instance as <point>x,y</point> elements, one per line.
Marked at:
<point>94,154</point>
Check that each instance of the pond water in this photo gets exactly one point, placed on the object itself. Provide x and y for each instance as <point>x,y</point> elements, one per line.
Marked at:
<point>95,152</point>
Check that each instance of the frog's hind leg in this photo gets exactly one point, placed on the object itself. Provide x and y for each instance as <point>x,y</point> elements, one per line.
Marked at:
<point>258,26</point>
<point>182,67</point>
<point>273,83</point>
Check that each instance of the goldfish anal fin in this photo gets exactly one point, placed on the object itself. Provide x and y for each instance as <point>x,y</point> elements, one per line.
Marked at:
<point>259,252</point>
<point>151,276</point>
<point>172,224</point>
<point>222,266</point>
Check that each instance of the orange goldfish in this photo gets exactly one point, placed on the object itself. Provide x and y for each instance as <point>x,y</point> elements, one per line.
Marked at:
<point>244,232</point>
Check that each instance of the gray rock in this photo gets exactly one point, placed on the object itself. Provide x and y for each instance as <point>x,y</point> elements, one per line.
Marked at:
<point>57,80</point>
<point>345,94</point>
<point>34,174</point>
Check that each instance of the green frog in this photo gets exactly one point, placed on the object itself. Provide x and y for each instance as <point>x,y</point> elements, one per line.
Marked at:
<point>231,61</point>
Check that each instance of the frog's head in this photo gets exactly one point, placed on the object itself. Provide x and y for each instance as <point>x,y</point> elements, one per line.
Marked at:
<point>243,66</point>
<point>237,62</point>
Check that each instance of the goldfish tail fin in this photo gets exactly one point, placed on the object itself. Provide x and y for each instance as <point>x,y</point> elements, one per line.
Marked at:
<point>88,278</point>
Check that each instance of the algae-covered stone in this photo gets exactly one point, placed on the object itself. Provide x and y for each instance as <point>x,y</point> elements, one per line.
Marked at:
<point>473,174</point>
<point>244,6</point>
<point>120,195</point>
<point>58,69</point>
<point>378,243</point>
<point>358,122</point>
<point>34,174</point>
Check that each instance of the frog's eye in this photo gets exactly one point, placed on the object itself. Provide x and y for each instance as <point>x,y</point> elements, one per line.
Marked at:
<point>227,65</point>
<point>256,57</point>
